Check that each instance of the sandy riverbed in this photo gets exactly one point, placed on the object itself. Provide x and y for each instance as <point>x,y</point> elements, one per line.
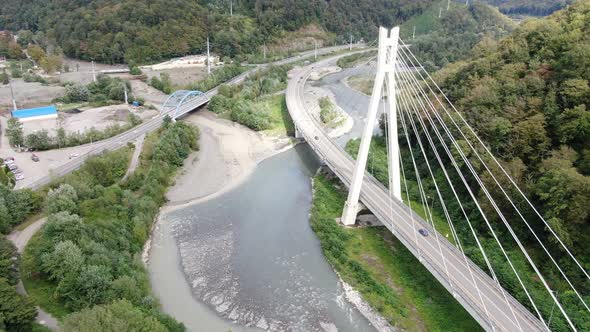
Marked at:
<point>229,152</point>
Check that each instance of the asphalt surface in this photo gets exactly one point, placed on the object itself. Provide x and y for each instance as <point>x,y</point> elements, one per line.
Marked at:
<point>120,140</point>
<point>481,296</point>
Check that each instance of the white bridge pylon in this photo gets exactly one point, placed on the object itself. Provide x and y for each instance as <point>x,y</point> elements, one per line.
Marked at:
<point>386,66</point>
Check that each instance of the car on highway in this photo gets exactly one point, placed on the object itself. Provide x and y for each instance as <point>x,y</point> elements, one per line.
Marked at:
<point>74,155</point>
<point>34,157</point>
<point>19,177</point>
<point>423,232</point>
<point>316,138</point>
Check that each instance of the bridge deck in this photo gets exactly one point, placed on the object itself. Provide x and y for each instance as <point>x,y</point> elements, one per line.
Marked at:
<point>453,272</point>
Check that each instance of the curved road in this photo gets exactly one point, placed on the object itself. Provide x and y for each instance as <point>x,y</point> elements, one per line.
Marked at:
<point>485,300</point>
<point>120,140</point>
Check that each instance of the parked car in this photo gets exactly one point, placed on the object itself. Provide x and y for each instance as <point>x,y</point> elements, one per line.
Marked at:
<point>12,167</point>
<point>34,157</point>
<point>9,161</point>
<point>423,232</point>
<point>17,171</point>
<point>19,177</point>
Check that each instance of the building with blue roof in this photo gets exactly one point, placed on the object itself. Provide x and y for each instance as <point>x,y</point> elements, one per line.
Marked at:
<point>39,113</point>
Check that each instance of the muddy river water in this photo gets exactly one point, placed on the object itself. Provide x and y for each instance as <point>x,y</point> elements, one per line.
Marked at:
<point>248,260</point>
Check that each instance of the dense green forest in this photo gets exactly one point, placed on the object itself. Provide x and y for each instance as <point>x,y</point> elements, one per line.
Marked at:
<point>135,31</point>
<point>83,265</point>
<point>527,96</point>
<point>442,40</point>
<point>529,7</point>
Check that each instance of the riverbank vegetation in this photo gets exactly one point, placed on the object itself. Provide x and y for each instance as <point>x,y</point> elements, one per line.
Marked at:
<point>354,60</point>
<point>258,103</point>
<point>88,252</point>
<point>386,274</point>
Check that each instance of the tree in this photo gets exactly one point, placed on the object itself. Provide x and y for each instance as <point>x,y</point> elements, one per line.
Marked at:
<point>118,316</point>
<point>38,140</point>
<point>14,131</point>
<point>62,199</point>
<point>16,311</point>
<point>4,78</point>
<point>8,261</point>
<point>65,258</point>
<point>90,286</point>
<point>77,93</point>
<point>36,52</point>
<point>25,37</point>
<point>51,63</point>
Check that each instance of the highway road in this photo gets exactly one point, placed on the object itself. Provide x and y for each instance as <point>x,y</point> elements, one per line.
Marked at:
<point>122,139</point>
<point>480,295</point>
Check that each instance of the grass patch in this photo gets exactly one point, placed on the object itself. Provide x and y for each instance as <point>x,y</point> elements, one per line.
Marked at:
<point>361,83</point>
<point>281,122</point>
<point>353,60</point>
<point>387,275</point>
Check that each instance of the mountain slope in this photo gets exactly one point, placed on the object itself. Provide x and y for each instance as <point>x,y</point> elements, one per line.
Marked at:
<point>450,37</point>
<point>528,96</point>
<point>529,7</point>
<point>138,31</point>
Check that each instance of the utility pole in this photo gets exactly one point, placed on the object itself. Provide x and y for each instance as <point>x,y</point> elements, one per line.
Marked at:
<point>466,2</point>
<point>12,94</point>
<point>208,59</point>
<point>448,4</point>
<point>350,46</point>
<point>264,51</point>
<point>231,8</point>
<point>93,72</point>
<point>126,99</point>
<point>414,33</point>
<point>387,58</point>
<point>440,12</point>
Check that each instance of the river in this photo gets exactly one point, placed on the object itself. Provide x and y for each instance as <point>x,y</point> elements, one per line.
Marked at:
<point>250,258</point>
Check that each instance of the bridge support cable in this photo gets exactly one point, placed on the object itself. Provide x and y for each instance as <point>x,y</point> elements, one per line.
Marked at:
<point>409,97</point>
<point>444,126</point>
<point>504,220</point>
<point>496,238</point>
<point>426,204</point>
<point>441,121</point>
<point>405,109</point>
<point>429,79</point>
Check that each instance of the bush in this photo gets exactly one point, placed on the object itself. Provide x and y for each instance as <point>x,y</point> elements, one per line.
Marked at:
<point>16,206</point>
<point>135,71</point>
<point>89,259</point>
<point>27,77</point>
<point>77,93</point>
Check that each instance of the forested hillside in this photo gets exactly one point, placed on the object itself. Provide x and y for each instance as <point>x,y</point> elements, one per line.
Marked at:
<point>528,96</point>
<point>137,31</point>
<point>529,7</point>
<point>447,38</point>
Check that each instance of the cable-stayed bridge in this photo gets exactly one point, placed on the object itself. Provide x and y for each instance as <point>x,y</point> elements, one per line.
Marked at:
<point>422,117</point>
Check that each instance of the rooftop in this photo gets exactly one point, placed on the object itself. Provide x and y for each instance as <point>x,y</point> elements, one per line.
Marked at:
<point>33,112</point>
